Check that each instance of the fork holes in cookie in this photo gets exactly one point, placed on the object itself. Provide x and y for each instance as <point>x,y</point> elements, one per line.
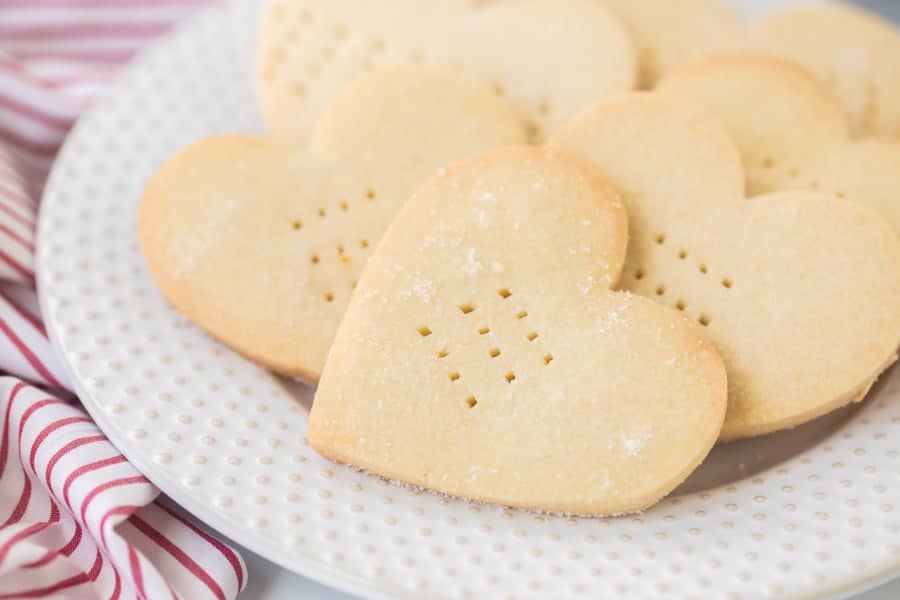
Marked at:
<point>680,305</point>
<point>510,377</point>
<point>682,254</point>
<point>297,225</point>
<point>499,89</point>
<point>345,207</point>
<point>314,259</point>
<point>298,90</point>
<point>660,238</point>
<point>340,249</point>
<point>660,290</point>
<point>454,376</point>
<point>443,353</point>
<point>471,402</point>
<point>639,274</point>
<point>794,173</point>
<point>704,320</point>
<point>494,352</point>
<point>504,293</point>
<point>424,331</point>
<point>548,358</point>
<point>364,243</point>
<point>484,330</point>
<point>532,336</point>
<point>323,213</point>
<point>727,283</point>
<point>768,163</point>
<point>467,308</point>
<point>329,297</point>
<point>703,269</point>
<point>543,109</point>
<point>371,194</point>
<point>522,314</point>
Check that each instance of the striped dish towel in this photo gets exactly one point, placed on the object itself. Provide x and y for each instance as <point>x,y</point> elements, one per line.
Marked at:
<point>76,519</point>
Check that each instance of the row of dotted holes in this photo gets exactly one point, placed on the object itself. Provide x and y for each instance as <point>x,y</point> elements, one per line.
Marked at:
<point>505,294</point>
<point>370,195</point>
<point>342,253</point>
<point>341,33</point>
<point>794,173</point>
<point>425,331</point>
<point>681,305</point>
<point>543,110</point>
<point>494,352</point>
<point>379,47</point>
<point>315,258</point>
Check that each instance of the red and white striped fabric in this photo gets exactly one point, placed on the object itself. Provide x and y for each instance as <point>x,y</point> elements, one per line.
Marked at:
<point>76,519</point>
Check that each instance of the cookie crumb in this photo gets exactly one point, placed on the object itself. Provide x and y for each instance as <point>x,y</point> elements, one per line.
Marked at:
<point>587,285</point>
<point>473,266</point>
<point>636,442</point>
<point>425,290</point>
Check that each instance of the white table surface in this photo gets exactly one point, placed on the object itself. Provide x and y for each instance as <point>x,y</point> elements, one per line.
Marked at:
<point>270,582</point>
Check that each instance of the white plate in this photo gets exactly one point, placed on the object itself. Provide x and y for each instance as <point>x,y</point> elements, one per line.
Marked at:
<point>806,512</point>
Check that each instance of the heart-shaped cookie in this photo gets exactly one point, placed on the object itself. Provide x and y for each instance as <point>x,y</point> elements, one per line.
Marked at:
<point>855,53</point>
<point>667,34</point>
<point>800,291</point>
<point>552,58</point>
<point>484,354</point>
<point>796,135</point>
<point>261,244</point>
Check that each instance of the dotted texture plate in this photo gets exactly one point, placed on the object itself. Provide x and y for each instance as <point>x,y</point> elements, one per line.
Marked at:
<point>808,512</point>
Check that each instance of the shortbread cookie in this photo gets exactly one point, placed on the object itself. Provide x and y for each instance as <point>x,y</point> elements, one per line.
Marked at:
<point>799,291</point>
<point>261,244</point>
<point>856,54</point>
<point>670,33</point>
<point>552,58</point>
<point>484,354</point>
<point>796,135</point>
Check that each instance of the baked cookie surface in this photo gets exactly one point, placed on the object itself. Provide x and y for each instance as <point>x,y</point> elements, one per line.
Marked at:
<point>668,34</point>
<point>485,355</point>
<point>261,243</point>
<point>855,54</point>
<point>796,137</point>
<point>551,58</point>
<point>799,291</point>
